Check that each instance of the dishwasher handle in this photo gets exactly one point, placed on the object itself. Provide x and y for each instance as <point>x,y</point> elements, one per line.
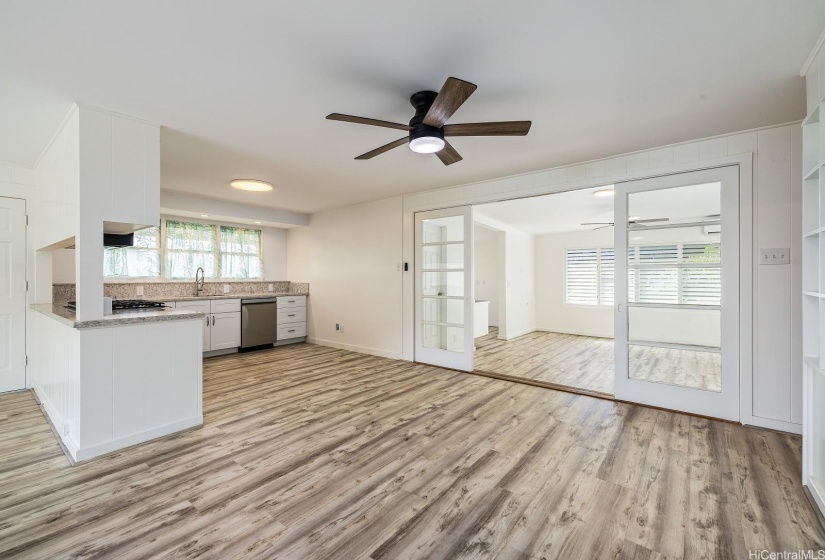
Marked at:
<point>258,300</point>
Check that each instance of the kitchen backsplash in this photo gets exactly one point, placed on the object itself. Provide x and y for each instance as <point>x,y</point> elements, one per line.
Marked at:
<point>128,290</point>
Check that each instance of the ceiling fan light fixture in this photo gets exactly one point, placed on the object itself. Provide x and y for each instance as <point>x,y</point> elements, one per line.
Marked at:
<point>427,144</point>
<point>251,185</point>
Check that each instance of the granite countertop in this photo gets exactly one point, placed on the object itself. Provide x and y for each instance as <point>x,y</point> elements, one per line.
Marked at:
<point>223,296</point>
<point>60,313</point>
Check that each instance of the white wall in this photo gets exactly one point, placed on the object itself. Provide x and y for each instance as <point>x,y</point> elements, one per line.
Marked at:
<point>351,258</point>
<point>488,270</point>
<point>519,288</point>
<point>552,313</point>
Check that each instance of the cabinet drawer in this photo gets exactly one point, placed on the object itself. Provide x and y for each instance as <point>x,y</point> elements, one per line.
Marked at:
<point>201,305</point>
<point>292,301</point>
<point>292,315</point>
<point>293,330</point>
<point>225,305</point>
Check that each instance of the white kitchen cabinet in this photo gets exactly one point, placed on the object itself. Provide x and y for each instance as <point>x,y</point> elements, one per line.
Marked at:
<point>292,316</point>
<point>225,330</point>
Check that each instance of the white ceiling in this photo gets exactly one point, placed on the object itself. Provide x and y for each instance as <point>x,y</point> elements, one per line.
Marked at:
<point>567,211</point>
<point>242,88</point>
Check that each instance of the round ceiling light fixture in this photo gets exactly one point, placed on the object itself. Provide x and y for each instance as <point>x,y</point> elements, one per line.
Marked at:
<point>251,185</point>
<point>427,140</point>
<point>604,192</point>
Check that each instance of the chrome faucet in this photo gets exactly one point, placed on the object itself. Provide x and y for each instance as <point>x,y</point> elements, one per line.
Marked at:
<point>200,278</point>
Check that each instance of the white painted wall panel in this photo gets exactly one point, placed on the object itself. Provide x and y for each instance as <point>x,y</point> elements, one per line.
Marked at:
<point>129,353</point>
<point>96,387</point>
<point>127,181</point>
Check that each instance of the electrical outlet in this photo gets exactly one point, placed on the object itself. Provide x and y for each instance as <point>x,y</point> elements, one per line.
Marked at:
<point>774,256</point>
<point>140,290</point>
<point>226,288</point>
<point>271,287</point>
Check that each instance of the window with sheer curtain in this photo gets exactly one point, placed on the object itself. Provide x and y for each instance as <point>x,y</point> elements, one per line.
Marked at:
<point>241,255</point>
<point>190,246</point>
<point>139,261</point>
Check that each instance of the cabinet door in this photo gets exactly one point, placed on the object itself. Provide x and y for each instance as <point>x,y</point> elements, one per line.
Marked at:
<point>207,333</point>
<point>226,330</point>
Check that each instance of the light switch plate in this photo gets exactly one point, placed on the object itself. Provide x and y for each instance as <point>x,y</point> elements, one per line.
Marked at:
<point>774,256</point>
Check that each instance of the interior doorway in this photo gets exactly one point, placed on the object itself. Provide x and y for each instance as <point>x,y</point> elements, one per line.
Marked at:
<point>544,274</point>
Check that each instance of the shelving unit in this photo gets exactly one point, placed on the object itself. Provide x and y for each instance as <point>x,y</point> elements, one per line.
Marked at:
<point>813,283</point>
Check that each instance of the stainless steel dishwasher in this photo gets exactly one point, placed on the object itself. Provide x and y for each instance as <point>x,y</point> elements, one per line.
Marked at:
<point>259,322</point>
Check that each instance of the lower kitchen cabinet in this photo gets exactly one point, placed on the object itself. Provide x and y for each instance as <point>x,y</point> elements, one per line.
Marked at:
<point>225,331</point>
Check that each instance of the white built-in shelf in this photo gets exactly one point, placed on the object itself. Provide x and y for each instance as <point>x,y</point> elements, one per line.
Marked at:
<point>814,232</point>
<point>813,173</point>
<point>815,294</point>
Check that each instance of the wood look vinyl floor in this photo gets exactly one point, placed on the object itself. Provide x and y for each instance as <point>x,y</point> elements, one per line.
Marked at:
<point>310,452</point>
<point>587,363</point>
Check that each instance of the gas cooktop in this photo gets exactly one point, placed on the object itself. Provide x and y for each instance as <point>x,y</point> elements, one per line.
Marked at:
<point>127,304</point>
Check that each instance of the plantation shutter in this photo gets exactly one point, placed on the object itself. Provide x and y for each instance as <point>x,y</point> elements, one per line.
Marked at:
<point>606,276</point>
<point>581,277</point>
<point>657,282</point>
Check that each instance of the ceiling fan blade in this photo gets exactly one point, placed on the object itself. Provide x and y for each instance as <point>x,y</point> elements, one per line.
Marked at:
<point>448,155</point>
<point>507,128</point>
<point>364,120</point>
<point>602,227</point>
<point>453,93</point>
<point>384,148</point>
<point>649,220</point>
<point>597,224</point>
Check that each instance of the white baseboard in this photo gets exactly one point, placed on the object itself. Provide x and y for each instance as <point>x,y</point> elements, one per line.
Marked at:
<point>359,349</point>
<point>771,424</point>
<point>515,334</point>
<point>816,491</point>
<point>578,333</point>
<point>57,422</point>
<point>86,453</point>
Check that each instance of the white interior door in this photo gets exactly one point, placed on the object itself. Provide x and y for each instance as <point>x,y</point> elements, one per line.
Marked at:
<point>444,288</point>
<point>12,294</point>
<point>677,292</point>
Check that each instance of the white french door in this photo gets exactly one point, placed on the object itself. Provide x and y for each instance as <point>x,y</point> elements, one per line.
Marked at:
<point>444,287</point>
<point>12,294</point>
<point>677,292</point>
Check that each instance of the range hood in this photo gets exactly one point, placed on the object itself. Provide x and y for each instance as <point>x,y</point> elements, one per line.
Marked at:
<point>118,239</point>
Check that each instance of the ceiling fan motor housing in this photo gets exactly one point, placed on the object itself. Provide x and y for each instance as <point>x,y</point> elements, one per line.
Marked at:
<point>421,102</point>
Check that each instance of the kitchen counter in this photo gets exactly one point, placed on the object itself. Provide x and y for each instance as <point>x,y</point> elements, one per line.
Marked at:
<point>225,296</point>
<point>66,316</point>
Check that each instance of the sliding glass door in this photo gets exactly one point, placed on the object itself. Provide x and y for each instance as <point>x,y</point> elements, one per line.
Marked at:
<point>677,292</point>
<point>444,288</point>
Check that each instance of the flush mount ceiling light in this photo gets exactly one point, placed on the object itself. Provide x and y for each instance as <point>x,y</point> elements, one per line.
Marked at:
<point>251,185</point>
<point>634,218</point>
<point>604,192</point>
<point>427,143</point>
<point>258,222</point>
<point>204,215</point>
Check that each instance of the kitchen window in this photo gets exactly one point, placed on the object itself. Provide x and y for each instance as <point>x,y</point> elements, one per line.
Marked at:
<point>140,261</point>
<point>241,255</point>
<point>175,250</point>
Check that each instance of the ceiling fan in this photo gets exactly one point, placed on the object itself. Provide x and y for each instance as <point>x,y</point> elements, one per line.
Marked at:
<point>636,221</point>
<point>427,129</point>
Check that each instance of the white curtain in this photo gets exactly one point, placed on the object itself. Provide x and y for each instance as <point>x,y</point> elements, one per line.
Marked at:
<point>189,246</point>
<point>241,253</point>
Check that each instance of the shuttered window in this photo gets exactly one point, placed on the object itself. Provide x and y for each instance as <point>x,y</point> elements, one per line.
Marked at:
<point>589,277</point>
<point>582,277</point>
<point>668,274</point>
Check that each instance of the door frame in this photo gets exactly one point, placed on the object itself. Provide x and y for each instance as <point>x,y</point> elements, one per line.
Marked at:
<point>27,240</point>
<point>549,182</point>
<point>445,358</point>
<point>702,402</point>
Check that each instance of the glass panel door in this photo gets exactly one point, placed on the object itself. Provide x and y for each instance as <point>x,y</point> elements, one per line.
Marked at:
<point>444,288</point>
<point>677,292</point>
